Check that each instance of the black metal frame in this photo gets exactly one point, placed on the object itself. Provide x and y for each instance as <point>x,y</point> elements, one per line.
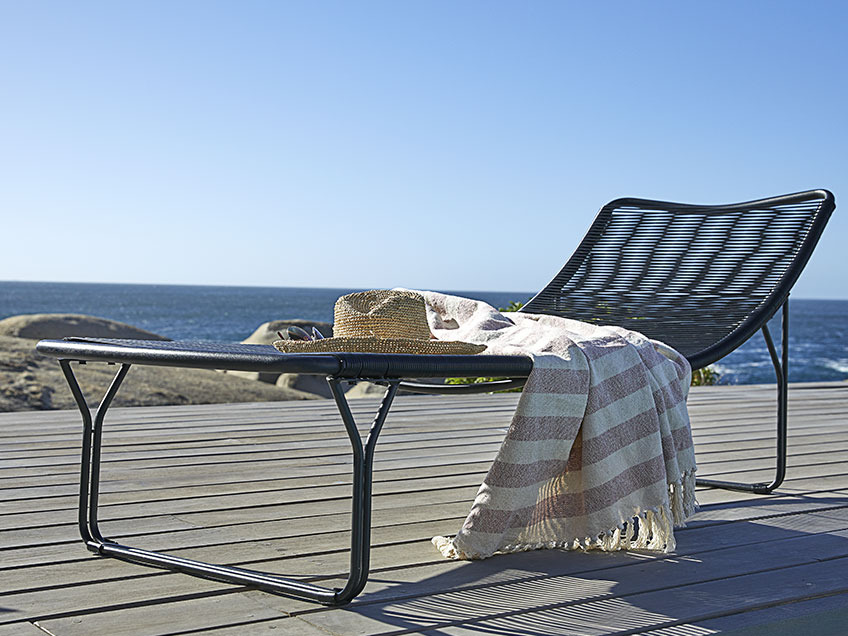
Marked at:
<point>619,251</point>
<point>781,370</point>
<point>360,541</point>
<point>336,367</point>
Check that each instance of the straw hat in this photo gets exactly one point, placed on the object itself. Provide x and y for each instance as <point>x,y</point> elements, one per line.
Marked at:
<point>380,321</point>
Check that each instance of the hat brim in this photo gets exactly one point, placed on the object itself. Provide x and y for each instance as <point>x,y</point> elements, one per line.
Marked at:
<point>379,345</point>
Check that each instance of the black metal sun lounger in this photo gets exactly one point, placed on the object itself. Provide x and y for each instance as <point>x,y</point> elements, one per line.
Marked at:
<point>703,279</point>
<point>387,369</point>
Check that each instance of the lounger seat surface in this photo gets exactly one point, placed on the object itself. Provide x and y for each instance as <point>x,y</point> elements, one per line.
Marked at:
<point>247,357</point>
<point>340,367</point>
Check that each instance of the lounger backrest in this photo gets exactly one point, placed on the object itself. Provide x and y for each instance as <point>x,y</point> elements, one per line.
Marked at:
<point>700,278</point>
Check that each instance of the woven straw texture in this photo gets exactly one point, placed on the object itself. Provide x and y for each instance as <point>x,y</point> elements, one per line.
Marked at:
<point>380,321</point>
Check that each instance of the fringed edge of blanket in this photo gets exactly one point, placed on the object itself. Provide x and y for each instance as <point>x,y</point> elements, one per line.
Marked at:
<point>650,529</point>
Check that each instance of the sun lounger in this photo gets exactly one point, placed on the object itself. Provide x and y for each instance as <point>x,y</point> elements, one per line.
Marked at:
<point>700,278</point>
<point>388,369</point>
<point>703,279</point>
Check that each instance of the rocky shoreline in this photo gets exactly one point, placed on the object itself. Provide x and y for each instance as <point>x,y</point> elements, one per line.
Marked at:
<point>31,381</point>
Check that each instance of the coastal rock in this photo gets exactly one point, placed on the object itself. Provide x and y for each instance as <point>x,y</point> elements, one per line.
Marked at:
<point>371,390</point>
<point>30,381</point>
<point>41,326</point>
<point>254,376</point>
<point>365,389</point>
<point>266,333</point>
<point>314,384</point>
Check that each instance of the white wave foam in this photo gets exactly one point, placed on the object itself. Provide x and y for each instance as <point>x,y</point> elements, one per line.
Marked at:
<point>840,366</point>
<point>722,369</point>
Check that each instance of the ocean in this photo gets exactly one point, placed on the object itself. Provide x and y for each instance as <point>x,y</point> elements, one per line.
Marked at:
<point>818,328</point>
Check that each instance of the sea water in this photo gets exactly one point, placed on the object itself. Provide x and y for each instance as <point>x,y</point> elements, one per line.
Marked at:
<point>189,312</point>
<point>818,342</point>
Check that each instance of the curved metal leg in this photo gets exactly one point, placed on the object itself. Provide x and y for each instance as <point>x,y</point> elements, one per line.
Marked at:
<point>90,458</point>
<point>781,369</point>
<point>360,549</point>
<point>363,461</point>
<point>96,444</point>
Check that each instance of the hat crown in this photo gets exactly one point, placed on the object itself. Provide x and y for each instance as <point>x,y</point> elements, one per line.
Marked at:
<point>381,313</point>
<point>380,321</point>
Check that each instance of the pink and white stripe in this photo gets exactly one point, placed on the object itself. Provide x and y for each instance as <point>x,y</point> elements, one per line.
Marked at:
<point>599,453</point>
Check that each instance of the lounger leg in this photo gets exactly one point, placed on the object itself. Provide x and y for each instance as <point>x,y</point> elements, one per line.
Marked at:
<point>90,459</point>
<point>781,369</point>
<point>363,461</point>
<point>363,458</point>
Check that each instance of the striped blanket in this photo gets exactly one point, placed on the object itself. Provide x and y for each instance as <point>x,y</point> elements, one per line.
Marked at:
<point>599,453</point>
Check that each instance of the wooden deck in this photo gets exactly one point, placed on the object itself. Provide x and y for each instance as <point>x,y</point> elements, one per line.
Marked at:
<point>266,486</point>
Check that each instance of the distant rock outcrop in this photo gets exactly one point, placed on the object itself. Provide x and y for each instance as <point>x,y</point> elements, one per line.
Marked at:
<point>266,333</point>
<point>366,390</point>
<point>315,384</point>
<point>41,326</point>
<point>31,381</point>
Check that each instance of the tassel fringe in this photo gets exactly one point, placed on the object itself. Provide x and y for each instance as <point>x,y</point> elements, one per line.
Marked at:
<point>651,529</point>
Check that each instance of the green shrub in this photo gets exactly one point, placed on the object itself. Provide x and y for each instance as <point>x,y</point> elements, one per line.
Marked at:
<point>705,377</point>
<point>514,305</point>
<point>481,381</point>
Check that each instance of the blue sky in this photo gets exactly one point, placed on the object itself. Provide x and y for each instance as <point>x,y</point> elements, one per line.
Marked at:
<point>442,145</point>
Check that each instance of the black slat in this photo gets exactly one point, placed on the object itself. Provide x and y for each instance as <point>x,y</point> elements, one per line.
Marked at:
<point>701,278</point>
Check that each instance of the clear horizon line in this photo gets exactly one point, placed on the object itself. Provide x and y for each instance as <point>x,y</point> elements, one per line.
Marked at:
<point>343,288</point>
<point>65,282</point>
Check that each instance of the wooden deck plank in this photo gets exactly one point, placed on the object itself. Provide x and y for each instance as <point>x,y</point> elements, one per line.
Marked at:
<point>156,496</point>
<point>694,603</point>
<point>146,483</point>
<point>465,428</point>
<point>71,550</point>
<point>484,603</point>
<point>22,629</point>
<point>470,431</point>
<point>415,585</point>
<point>279,551</point>
<point>66,464</point>
<point>429,579</point>
<point>150,484</point>
<point>276,509</point>
<point>295,416</point>
<point>142,434</point>
<point>824,616</point>
<point>443,491</point>
<point>192,430</point>
<point>728,533</point>
<point>622,614</point>
<point>399,486</point>
<point>131,504</point>
<point>193,615</point>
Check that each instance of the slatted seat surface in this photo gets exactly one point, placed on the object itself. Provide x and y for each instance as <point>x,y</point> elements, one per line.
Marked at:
<point>700,278</point>
<point>250,357</point>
